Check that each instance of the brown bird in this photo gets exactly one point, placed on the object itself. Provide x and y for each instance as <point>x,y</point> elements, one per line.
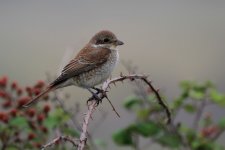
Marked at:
<point>92,65</point>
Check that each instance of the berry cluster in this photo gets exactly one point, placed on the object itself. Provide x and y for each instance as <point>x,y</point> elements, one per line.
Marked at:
<point>17,124</point>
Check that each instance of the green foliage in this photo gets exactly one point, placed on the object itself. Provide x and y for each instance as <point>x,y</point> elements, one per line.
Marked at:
<point>123,137</point>
<point>19,122</point>
<point>28,129</point>
<point>190,108</point>
<point>169,140</point>
<point>217,97</point>
<point>55,118</point>
<point>196,94</point>
<point>222,123</point>
<point>172,136</point>
<point>143,114</point>
<point>147,129</point>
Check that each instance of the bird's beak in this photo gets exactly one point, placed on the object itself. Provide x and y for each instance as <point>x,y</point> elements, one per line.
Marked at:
<point>118,42</point>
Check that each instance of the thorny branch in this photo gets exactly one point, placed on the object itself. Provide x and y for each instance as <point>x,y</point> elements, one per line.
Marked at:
<point>59,139</point>
<point>133,77</point>
<point>102,95</point>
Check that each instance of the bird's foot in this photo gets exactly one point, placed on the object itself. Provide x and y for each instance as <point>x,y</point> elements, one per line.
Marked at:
<point>95,97</point>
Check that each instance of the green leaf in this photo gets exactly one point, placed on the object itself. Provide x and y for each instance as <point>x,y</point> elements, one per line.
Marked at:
<point>189,108</point>
<point>177,103</point>
<point>56,117</point>
<point>20,122</point>
<point>10,147</point>
<point>143,114</point>
<point>123,137</point>
<point>202,145</point>
<point>222,123</point>
<point>131,101</point>
<point>217,97</point>
<point>147,129</point>
<point>191,135</point>
<point>51,122</point>
<point>196,94</point>
<point>186,85</point>
<point>169,140</point>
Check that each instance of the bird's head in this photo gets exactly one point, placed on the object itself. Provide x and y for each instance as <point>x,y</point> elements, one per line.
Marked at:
<point>105,39</point>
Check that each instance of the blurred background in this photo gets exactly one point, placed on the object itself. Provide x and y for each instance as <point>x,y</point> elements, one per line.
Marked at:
<point>168,40</point>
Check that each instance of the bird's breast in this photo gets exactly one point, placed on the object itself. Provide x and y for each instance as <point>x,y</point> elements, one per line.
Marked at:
<point>99,74</point>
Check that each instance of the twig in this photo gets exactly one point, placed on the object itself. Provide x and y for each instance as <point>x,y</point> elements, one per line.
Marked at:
<point>83,136</point>
<point>133,77</point>
<point>199,114</point>
<point>102,95</point>
<point>61,138</point>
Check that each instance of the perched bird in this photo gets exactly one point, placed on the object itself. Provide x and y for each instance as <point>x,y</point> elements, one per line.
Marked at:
<point>91,66</point>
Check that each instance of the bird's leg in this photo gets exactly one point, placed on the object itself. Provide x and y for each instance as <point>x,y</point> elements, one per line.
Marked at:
<point>98,90</point>
<point>101,91</point>
<point>94,96</point>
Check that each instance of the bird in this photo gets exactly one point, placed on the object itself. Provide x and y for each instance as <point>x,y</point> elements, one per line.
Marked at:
<point>92,65</point>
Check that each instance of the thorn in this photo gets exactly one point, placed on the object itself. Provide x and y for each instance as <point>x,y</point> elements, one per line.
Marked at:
<point>114,83</point>
<point>121,74</point>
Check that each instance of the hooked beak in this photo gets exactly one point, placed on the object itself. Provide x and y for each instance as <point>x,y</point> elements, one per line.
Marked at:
<point>118,42</point>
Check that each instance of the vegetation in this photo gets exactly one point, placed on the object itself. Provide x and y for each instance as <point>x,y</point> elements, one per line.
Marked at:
<point>33,127</point>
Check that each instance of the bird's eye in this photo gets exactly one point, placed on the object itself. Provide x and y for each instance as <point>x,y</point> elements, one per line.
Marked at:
<point>106,40</point>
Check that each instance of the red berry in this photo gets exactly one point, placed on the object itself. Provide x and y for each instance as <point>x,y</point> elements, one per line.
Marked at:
<point>14,85</point>
<point>36,91</point>
<point>37,145</point>
<point>13,112</point>
<point>31,112</point>
<point>7,104</point>
<point>31,136</point>
<point>19,91</point>
<point>40,118</point>
<point>29,90</point>
<point>44,129</point>
<point>3,81</point>
<point>3,94</point>
<point>40,84</point>
<point>46,108</point>
<point>4,117</point>
<point>209,131</point>
<point>22,101</point>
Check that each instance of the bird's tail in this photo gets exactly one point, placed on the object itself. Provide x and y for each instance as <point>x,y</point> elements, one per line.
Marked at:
<point>47,90</point>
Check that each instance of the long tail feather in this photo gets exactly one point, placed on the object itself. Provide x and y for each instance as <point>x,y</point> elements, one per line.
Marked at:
<point>50,88</point>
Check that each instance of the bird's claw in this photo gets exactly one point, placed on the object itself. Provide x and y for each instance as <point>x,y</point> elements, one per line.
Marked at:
<point>96,98</point>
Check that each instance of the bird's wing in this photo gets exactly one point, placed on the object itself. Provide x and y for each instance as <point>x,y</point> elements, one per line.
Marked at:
<point>86,60</point>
